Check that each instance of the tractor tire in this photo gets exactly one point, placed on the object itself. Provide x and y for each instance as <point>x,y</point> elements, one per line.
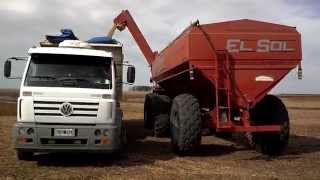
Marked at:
<point>185,124</point>
<point>161,126</point>
<point>270,111</point>
<point>23,155</point>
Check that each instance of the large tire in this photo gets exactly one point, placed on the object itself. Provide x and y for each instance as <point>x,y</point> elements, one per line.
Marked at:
<point>270,111</point>
<point>23,155</point>
<point>185,124</point>
<point>161,125</point>
<point>148,111</point>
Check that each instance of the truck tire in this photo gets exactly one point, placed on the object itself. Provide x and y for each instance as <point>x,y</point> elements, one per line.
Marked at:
<point>161,126</point>
<point>270,111</point>
<point>185,124</point>
<point>23,155</point>
<point>148,111</point>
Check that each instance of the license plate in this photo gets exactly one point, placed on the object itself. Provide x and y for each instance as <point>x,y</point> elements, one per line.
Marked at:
<point>63,132</point>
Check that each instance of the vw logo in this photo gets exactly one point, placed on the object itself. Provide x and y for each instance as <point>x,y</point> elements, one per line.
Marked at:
<point>66,109</point>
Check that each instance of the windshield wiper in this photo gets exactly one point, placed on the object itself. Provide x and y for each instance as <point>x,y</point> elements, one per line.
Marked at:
<point>43,77</point>
<point>73,81</point>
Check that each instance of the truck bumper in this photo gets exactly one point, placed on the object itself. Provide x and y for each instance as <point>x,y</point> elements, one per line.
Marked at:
<point>40,138</point>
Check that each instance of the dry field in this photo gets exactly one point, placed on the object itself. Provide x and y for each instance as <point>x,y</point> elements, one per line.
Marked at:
<point>151,158</point>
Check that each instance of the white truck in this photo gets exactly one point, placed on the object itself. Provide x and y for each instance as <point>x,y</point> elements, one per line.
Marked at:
<point>69,100</point>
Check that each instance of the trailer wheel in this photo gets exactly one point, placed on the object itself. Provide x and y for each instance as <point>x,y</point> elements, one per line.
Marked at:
<point>270,111</point>
<point>185,124</point>
<point>161,125</point>
<point>22,155</point>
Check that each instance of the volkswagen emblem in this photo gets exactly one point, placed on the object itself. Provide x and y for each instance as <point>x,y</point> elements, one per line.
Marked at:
<point>66,109</point>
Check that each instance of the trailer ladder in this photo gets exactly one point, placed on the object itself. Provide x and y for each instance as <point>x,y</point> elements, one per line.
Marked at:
<point>223,90</point>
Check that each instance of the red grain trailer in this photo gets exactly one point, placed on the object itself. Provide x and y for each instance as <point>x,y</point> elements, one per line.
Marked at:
<point>216,76</point>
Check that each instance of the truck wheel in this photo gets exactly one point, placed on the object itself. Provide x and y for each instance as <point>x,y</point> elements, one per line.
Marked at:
<point>185,124</point>
<point>270,111</point>
<point>161,125</point>
<point>22,155</point>
<point>148,111</point>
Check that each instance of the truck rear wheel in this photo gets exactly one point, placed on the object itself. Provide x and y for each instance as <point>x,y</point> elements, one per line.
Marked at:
<point>185,124</point>
<point>270,111</point>
<point>23,155</point>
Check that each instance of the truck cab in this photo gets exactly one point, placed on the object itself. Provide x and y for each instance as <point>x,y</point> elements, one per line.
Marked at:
<point>69,102</point>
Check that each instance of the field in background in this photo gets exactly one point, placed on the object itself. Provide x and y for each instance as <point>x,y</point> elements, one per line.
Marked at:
<point>8,100</point>
<point>151,158</point>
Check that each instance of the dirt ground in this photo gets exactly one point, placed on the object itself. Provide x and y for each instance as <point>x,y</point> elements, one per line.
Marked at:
<point>151,158</point>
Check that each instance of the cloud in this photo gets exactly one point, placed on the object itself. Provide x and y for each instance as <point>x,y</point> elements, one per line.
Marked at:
<point>17,7</point>
<point>26,22</point>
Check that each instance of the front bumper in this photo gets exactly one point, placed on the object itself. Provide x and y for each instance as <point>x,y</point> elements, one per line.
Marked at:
<point>43,140</point>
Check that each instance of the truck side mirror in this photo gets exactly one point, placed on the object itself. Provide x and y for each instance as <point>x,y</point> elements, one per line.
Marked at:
<point>7,69</point>
<point>131,73</point>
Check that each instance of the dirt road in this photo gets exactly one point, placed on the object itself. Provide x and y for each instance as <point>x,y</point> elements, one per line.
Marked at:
<point>151,158</point>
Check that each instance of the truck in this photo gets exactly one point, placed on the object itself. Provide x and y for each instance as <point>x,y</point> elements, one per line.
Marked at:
<point>69,99</point>
<point>216,78</point>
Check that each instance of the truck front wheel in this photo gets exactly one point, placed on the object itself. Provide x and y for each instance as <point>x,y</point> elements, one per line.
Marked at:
<point>185,124</point>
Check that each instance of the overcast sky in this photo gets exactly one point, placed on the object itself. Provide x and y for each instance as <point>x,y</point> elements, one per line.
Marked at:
<point>24,23</point>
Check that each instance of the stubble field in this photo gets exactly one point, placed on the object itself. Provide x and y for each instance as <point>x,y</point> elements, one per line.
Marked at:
<point>151,158</point>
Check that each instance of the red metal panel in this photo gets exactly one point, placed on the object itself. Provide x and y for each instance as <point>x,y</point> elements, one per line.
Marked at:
<point>264,128</point>
<point>261,54</point>
<point>172,56</point>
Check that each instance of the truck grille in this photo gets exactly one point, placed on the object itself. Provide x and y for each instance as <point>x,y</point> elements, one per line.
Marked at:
<point>52,108</point>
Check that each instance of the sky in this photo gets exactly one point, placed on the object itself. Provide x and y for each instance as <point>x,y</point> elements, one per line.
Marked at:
<point>24,23</point>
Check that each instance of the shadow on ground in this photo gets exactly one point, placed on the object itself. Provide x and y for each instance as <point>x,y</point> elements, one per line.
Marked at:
<point>142,149</point>
<point>298,146</point>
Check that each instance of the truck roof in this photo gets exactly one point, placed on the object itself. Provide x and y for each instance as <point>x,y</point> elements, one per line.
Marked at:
<point>69,51</point>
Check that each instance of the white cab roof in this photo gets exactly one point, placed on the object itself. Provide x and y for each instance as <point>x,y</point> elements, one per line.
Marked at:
<point>69,51</point>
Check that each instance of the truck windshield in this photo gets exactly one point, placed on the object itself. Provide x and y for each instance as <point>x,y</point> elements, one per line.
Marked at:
<point>57,70</point>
